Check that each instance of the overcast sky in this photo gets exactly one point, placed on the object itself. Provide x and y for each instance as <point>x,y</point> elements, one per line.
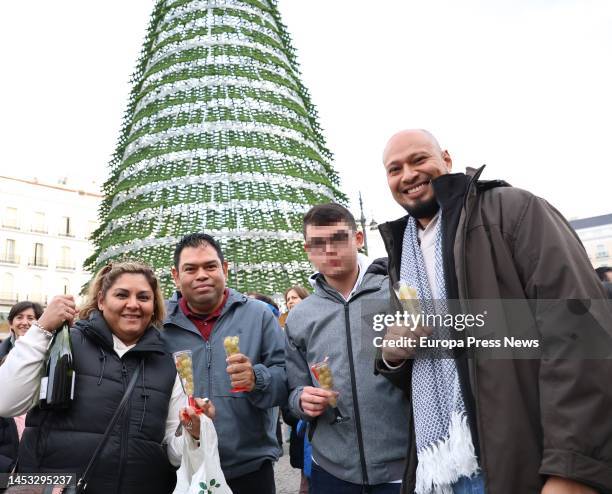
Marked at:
<point>521,85</point>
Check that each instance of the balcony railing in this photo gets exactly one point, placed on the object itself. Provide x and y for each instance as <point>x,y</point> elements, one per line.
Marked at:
<point>9,259</point>
<point>66,265</point>
<point>10,224</point>
<point>40,262</point>
<point>39,229</point>
<point>37,297</point>
<point>66,234</point>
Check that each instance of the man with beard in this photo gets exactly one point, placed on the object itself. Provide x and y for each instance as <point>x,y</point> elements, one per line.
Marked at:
<point>499,426</point>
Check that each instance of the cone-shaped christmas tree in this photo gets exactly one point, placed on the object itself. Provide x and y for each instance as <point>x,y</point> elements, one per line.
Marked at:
<point>219,137</point>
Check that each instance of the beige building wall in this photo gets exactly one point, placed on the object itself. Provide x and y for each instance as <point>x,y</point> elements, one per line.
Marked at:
<point>44,232</point>
<point>596,235</point>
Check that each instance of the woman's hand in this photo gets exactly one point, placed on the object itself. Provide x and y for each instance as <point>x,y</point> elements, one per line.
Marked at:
<point>61,309</point>
<point>190,419</point>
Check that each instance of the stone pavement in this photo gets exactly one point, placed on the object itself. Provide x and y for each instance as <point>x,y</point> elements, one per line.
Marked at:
<point>287,478</point>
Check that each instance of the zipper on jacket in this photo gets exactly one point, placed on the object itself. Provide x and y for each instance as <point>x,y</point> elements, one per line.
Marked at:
<point>349,346</point>
<point>124,429</point>
<point>209,364</point>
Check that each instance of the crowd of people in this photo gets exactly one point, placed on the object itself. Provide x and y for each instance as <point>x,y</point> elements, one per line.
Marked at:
<point>365,419</point>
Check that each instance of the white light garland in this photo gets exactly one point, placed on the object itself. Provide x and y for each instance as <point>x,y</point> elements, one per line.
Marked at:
<point>224,234</point>
<point>230,152</point>
<point>216,81</point>
<point>188,209</point>
<point>212,127</point>
<point>224,178</point>
<point>248,103</point>
<point>223,39</point>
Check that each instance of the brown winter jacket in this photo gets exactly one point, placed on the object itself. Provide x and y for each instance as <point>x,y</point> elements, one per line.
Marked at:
<point>530,418</point>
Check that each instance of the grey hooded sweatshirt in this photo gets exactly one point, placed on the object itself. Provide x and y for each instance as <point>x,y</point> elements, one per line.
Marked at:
<point>370,448</point>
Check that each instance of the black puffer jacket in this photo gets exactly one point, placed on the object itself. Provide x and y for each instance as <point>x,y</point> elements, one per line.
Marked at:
<point>9,444</point>
<point>134,460</point>
<point>9,439</point>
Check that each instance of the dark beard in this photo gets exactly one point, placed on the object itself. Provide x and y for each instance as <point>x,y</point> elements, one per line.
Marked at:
<point>426,209</point>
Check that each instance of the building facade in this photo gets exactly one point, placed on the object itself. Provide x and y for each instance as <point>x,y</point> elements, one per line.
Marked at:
<point>596,235</point>
<point>44,239</point>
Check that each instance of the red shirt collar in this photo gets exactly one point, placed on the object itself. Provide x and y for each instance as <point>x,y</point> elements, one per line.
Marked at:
<point>205,317</point>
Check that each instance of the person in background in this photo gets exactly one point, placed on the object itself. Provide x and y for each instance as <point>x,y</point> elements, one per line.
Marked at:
<point>604,273</point>
<point>21,316</point>
<point>201,314</point>
<point>271,304</point>
<point>293,296</point>
<point>116,334</point>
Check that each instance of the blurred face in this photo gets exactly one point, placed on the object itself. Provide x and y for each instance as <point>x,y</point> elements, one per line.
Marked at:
<point>333,249</point>
<point>412,160</point>
<point>128,307</point>
<point>292,299</point>
<point>22,322</point>
<point>200,277</point>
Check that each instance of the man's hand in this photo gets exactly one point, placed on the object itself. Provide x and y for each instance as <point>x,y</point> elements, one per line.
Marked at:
<point>314,401</point>
<point>396,349</point>
<point>241,373</point>
<point>559,485</point>
<point>61,309</point>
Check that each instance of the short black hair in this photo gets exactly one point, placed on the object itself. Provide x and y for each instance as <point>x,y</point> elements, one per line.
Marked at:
<point>328,214</point>
<point>195,240</point>
<point>601,272</point>
<point>19,307</point>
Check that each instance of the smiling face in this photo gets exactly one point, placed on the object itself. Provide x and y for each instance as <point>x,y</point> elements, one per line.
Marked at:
<point>413,159</point>
<point>332,249</point>
<point>200,277</point>
<point>22,322</point>
<point>128,306</point>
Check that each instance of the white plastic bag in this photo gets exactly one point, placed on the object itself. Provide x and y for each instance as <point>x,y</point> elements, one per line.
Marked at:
<point>200,471</point>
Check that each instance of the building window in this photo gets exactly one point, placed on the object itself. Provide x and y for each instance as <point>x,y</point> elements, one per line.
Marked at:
<point>66,227</point>
<point>65,286</point>
<point>36,291</point>
<point>9,254</point>
<point>10,218</point>
<point>65,260</point>
<point>39,225</point>
<point>8,295</point>
<point>39,258</point>
<point>601,251</point>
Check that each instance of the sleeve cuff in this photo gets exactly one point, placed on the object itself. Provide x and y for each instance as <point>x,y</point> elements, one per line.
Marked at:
<point>262,377</point>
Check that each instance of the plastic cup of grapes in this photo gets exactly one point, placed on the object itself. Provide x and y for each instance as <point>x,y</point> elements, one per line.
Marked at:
<point>184,368</point>
<point>323,374</point>
<point>231,344</point>
<point>408,297</point>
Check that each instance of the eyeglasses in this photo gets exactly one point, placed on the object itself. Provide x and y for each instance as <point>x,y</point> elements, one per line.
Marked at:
<point>338,239</point>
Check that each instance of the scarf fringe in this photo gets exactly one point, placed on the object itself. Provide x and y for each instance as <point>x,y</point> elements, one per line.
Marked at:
<point>446,461</point>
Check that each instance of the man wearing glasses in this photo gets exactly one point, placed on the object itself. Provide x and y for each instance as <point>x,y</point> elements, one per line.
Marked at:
<point>360,419</point>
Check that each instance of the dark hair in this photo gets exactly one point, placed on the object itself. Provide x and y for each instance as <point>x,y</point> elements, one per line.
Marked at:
<point>299,289</point>
<point>195,240</point>
<point>263,298</point>
<point>19,307</point>
<point>328,214</point>
<point>601,272</point>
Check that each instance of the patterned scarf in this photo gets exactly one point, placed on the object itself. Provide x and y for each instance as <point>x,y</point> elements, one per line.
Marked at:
<point>444,444</point>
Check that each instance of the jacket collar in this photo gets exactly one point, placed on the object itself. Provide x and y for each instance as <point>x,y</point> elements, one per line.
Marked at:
<point>96,328</point>
<point>176,316</point>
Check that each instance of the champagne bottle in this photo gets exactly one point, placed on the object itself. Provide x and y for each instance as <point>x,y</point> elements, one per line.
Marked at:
<point>57,383</point>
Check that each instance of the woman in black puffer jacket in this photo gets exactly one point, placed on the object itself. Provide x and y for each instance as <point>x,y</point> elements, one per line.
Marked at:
<point>115,336</point>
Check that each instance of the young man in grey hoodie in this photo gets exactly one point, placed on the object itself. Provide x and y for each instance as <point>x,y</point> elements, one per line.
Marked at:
<point>358,428</point>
